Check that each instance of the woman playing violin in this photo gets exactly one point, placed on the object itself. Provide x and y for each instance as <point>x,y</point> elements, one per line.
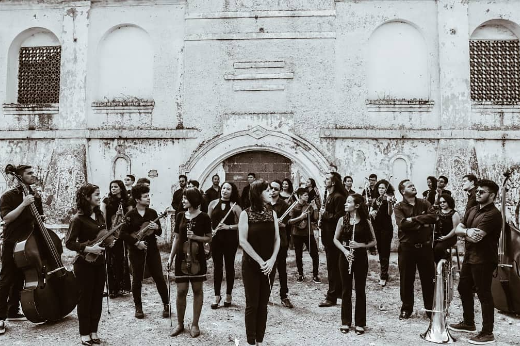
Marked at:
<point>382,210</point>
<point>115,206</point>
<point>84,227</point>
<point>192,230</point>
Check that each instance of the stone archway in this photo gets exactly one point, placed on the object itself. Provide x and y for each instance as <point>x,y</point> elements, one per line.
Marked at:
<point>307,160</point>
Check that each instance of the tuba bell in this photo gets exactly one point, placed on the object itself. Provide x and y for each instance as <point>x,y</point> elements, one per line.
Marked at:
<point>438,331</point>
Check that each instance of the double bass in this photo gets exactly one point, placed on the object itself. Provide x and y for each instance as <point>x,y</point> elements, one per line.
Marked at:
<point>51,291</point>
<point>505,286</point>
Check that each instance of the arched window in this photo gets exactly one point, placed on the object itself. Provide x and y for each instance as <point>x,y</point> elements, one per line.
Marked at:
<point>397,63</point>
<point>34,63</point>
<point>121,167</point>
<point>495,64</point>
<point>125,65</point>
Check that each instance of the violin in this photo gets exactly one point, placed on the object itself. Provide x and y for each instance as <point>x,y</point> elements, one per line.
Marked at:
<point>51,291</point>
<point>146,229</point>
<point>104,237</point>
<point>190,265</point>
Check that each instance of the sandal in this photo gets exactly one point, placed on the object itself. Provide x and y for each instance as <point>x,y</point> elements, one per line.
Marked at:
<point>344,329</point>
<point>360,330</point>
<point>215,305</point>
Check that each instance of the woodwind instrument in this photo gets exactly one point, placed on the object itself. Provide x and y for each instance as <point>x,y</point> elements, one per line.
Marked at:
<point>324,205</point>
<point>224,218</point>
<point>351,250</point>
<point>288,210</point>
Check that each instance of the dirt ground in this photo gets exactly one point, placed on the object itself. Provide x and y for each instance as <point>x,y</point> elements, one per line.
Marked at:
<point>306,324</point>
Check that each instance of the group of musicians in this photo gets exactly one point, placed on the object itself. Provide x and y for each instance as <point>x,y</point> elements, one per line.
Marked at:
<point>263,223</point>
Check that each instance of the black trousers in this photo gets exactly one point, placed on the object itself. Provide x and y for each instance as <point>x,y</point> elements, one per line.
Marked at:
<point>153,261</point>
<point>384,237</point>
<point>440,248</point>
<point>478,277</point>
<point>118,271</point>
<point>11,282</point>
<point>224,248</point>
<point>332,253</point>
<point>257,290</point>
<point>281,267</point>
<point>91,280</point>
<point>313,251</point>
<point>410,259</point>
<point>359,274</point>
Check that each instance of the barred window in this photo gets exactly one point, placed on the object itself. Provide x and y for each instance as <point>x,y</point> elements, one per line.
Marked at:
<point>39,74</point>
<point>495,71</point>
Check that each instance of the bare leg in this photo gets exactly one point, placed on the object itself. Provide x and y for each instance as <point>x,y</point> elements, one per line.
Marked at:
<point>198,300</point>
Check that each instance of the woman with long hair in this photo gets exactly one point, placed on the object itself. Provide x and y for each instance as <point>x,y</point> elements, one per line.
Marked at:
<point>431,194</point>
<point>224,245</point>
<point>260,239</point>
<point>354,234</point>
<point>382,210</point>
<point>192,227</point>
<point>114,207</point>
<point>84,227</point>
<point>314,194</point>
<point>444,235</point>
<point>287,190</point>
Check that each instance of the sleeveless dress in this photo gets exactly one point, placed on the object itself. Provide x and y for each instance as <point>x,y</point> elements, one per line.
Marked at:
<point>261,234</point>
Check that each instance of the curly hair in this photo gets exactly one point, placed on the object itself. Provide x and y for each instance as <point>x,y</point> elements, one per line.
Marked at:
<point>389,188</point>
<point>235,197</point>
<point>82,199</point>
<point>289,182</point>
<point>124,194</point>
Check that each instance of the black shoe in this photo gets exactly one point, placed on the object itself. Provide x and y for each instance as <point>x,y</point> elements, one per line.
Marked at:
<point>139,312</point>
<point>287,303</point>
<point>166,311</point>
<point>217,302</point>
<point>482,339</point>
<point>16,317</point>
<point>2,327</point>
<point>96,341</point>
<point>87,343</point>
<point>326,303</point>
<point>316,280</point>
<point>405,315</point>
<point>299,278</point>
<point>226,303</point>
<point>462,327</point>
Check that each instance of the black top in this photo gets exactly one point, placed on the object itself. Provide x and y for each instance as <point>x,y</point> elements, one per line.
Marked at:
<point>430,196</point>
<point>472,199</point>
<point>82,229</point>
<point>313,196</point>
<point>134,222</point>
<point>446,192</point>
<point>23,225</point>
<point>244,198</point>
<point>418,230</point>
<point>334,209</point>
<point>373,193</point>
<point>200,226</point>
<point>260,233</point>
<point>219,211</point>
<point>444,224</point>
<point>302,228</point>
<point>280,207</point>
<point>383,220</point>
<point>489,220</point>
<point>177,200</point>
<point>362,234</point>
<point>112,204</point>
<point>350,192</point>
<point>211,194</point>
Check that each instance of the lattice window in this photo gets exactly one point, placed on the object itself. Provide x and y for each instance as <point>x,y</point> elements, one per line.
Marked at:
<point>39,75</point>
<point>495,71</point>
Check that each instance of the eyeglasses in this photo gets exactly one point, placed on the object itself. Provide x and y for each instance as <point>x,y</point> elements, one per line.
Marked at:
<point>481,192</point>
<point>275,188</point>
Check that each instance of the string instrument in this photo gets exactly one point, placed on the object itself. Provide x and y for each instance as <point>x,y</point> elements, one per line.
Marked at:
<point>145,230</point>
<point>385,197</point>
<point>104,237</point>
<point>51,291</point>
<point>505,286</point>
<point>303,223</point>
<point>190,265</point>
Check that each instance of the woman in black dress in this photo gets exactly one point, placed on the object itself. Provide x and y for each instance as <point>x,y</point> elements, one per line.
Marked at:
<point>225,239</point>
<point>444,236</point>
<point>260,239</point>
<point>431,194</point>
<point>84,227</point>
<point>191,227</point>
<point>115,206</point>
<point>354,234</point>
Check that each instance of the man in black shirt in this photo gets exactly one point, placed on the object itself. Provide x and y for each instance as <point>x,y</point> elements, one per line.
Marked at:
<point>469,183</point>
<point>244,198</point>
<point>331,211</point>
<point>177,195</point>
<point>129,182</point>
<point>414,217</point>
<point>212,193</point>
<point>481,228</point>
<point>19,224</point>
<point>370,192</point>
<point>347,182</point>
<point>144,252</point>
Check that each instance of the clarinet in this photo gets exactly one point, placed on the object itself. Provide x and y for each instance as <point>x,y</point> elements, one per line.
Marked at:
<point>324,205</point>
<point>351,250</point>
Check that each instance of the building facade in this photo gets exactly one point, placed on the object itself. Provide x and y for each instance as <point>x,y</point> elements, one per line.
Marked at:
<point>93,90</point>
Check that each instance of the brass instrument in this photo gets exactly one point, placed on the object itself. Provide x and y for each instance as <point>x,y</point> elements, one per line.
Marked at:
<point>438,331</point>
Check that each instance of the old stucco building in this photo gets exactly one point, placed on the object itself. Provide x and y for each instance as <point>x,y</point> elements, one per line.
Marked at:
<point>92,90</point>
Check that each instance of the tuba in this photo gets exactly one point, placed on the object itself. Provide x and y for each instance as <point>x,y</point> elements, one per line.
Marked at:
<point>443,294</point>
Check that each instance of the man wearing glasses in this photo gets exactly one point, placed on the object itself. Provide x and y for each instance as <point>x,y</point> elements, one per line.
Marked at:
<point>481,228</point>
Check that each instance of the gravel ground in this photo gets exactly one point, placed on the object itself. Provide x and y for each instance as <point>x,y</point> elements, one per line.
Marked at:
<point>306,324</point>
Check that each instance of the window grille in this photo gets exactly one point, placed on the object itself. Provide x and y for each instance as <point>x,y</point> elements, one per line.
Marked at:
<point>495,71</point>
<point>39,75</point>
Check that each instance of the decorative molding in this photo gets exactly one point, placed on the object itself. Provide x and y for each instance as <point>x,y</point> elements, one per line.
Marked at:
<point>389,105</point>
<point>258,64</point>
<point>31,109</point>
<point>260,14</point>
<point>491,107</point>
<point>254,76</point>
<point>262,36</point>
<point>101,134</point>
<point>123,107</point>
<point>428,134</point>
<point>265,87</point>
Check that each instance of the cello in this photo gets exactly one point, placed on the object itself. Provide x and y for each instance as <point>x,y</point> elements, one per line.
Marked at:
<point>505,286</point>
<point>50,291</point>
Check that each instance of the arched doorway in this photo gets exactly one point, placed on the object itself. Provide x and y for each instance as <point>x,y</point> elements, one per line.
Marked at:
<point>266,165</point>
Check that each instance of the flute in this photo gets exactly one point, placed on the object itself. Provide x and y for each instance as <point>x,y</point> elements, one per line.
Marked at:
<point>288,210</point>
<point>224,218</point>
